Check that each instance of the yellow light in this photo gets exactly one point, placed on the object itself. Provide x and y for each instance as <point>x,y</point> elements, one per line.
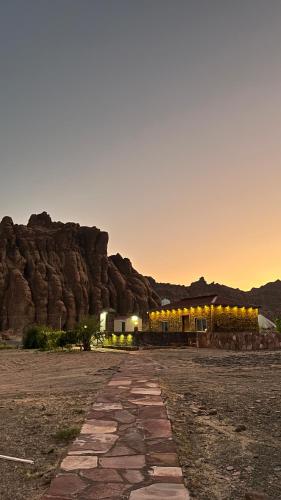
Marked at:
<point>134,318</point>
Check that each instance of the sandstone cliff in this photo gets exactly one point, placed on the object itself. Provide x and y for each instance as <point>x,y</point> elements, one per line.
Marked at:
<point>54,273</point>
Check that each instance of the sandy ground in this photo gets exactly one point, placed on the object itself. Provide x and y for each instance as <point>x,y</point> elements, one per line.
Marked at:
<point>209,395</point>
<point>40,394</point>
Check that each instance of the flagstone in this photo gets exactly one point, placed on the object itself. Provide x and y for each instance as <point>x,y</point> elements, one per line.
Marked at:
<point>106,406</point>
<point>169,459</point>
<point>124,462</point>
<point>148,401</point>
<point>107,490</point>
<point>144,390</point>
<point>120,381</point>
<point>99,427</point>
<point>152,412</point>
<point>79,462</point>
<point>124,416</point>
<point>66,484</point>
<point>160,471</point>
<point>161,446</point>
<point>160,491</point>
<point>119,450</point>
<point>102,475</point>
<point>133,476</point>
<point>157,428</point>
<point>100,443</point>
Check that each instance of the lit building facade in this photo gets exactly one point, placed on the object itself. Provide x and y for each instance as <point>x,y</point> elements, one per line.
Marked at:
<point>209,313</point>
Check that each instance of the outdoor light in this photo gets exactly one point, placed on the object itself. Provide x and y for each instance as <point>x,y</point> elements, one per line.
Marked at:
<point>134,318</point>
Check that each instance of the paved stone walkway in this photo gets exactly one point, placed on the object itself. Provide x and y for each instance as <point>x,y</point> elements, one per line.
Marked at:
<point>125,449</point>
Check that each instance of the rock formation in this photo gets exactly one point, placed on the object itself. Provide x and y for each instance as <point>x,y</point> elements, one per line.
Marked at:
<point>55,273</point>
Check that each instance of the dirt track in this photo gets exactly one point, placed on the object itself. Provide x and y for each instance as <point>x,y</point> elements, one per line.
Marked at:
<point>40,394</point>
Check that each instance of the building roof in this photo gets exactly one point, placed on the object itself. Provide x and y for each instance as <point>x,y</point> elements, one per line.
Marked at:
<point>202,300</point>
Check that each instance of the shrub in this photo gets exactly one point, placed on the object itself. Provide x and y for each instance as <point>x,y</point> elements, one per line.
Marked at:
<point>42,337</point>
<point>67,338</point>
<point>35,337</point>
<point>53,338</point>
<point>67,434</point>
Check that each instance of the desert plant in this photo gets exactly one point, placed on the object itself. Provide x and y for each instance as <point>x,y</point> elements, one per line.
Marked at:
<point>35,337</point>
<point>67,434</point>
<point>42,337</point>
<point>53,338</point>
<point>88,332</point>
<point>68,338</point>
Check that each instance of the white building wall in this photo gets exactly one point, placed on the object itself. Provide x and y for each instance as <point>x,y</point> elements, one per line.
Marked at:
<point>131,322</point>
<point>103,321</point>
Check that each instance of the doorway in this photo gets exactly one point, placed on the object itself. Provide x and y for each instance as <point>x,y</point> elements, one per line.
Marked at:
<point>186,323</point>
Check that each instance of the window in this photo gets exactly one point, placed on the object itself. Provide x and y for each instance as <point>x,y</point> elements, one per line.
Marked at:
<point>164,325</point>
<point>200,324</point>
<point>123,326</point>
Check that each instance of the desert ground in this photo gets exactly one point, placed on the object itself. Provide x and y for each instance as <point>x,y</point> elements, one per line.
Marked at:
<point>225,408</point>
<point>43,400</point>
<point>226,414</point>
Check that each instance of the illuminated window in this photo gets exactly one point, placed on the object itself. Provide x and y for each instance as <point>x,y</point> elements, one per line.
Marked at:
<point>200,324</point>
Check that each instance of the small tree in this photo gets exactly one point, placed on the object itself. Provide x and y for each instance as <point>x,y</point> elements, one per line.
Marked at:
<point>88,331</point>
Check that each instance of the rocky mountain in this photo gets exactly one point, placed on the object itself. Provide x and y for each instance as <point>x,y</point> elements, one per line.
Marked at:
<point>267,296</point>
<point>55,273</point>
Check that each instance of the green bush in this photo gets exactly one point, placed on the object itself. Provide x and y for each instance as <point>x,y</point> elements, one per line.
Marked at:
<point>42,337</point>
<point>67,434</point>
<point>35,337</point>
<point>53,339</point>
<point>67,338</point>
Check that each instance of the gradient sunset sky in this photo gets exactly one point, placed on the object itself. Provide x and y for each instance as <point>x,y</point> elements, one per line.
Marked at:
<point>158,121</point>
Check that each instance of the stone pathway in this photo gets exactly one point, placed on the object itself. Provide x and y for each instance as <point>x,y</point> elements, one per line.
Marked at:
<point>125,449</point>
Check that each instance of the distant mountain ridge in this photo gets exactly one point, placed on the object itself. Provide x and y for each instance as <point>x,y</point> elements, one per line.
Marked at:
<point>268,296</point>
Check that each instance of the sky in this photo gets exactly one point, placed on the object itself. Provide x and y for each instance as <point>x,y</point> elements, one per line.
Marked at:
<point>158,121</point>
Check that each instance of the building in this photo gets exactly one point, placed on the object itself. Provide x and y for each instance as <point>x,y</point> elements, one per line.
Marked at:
<point>127,324</point>
<point>208,313</point>
<point>110,323</point>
